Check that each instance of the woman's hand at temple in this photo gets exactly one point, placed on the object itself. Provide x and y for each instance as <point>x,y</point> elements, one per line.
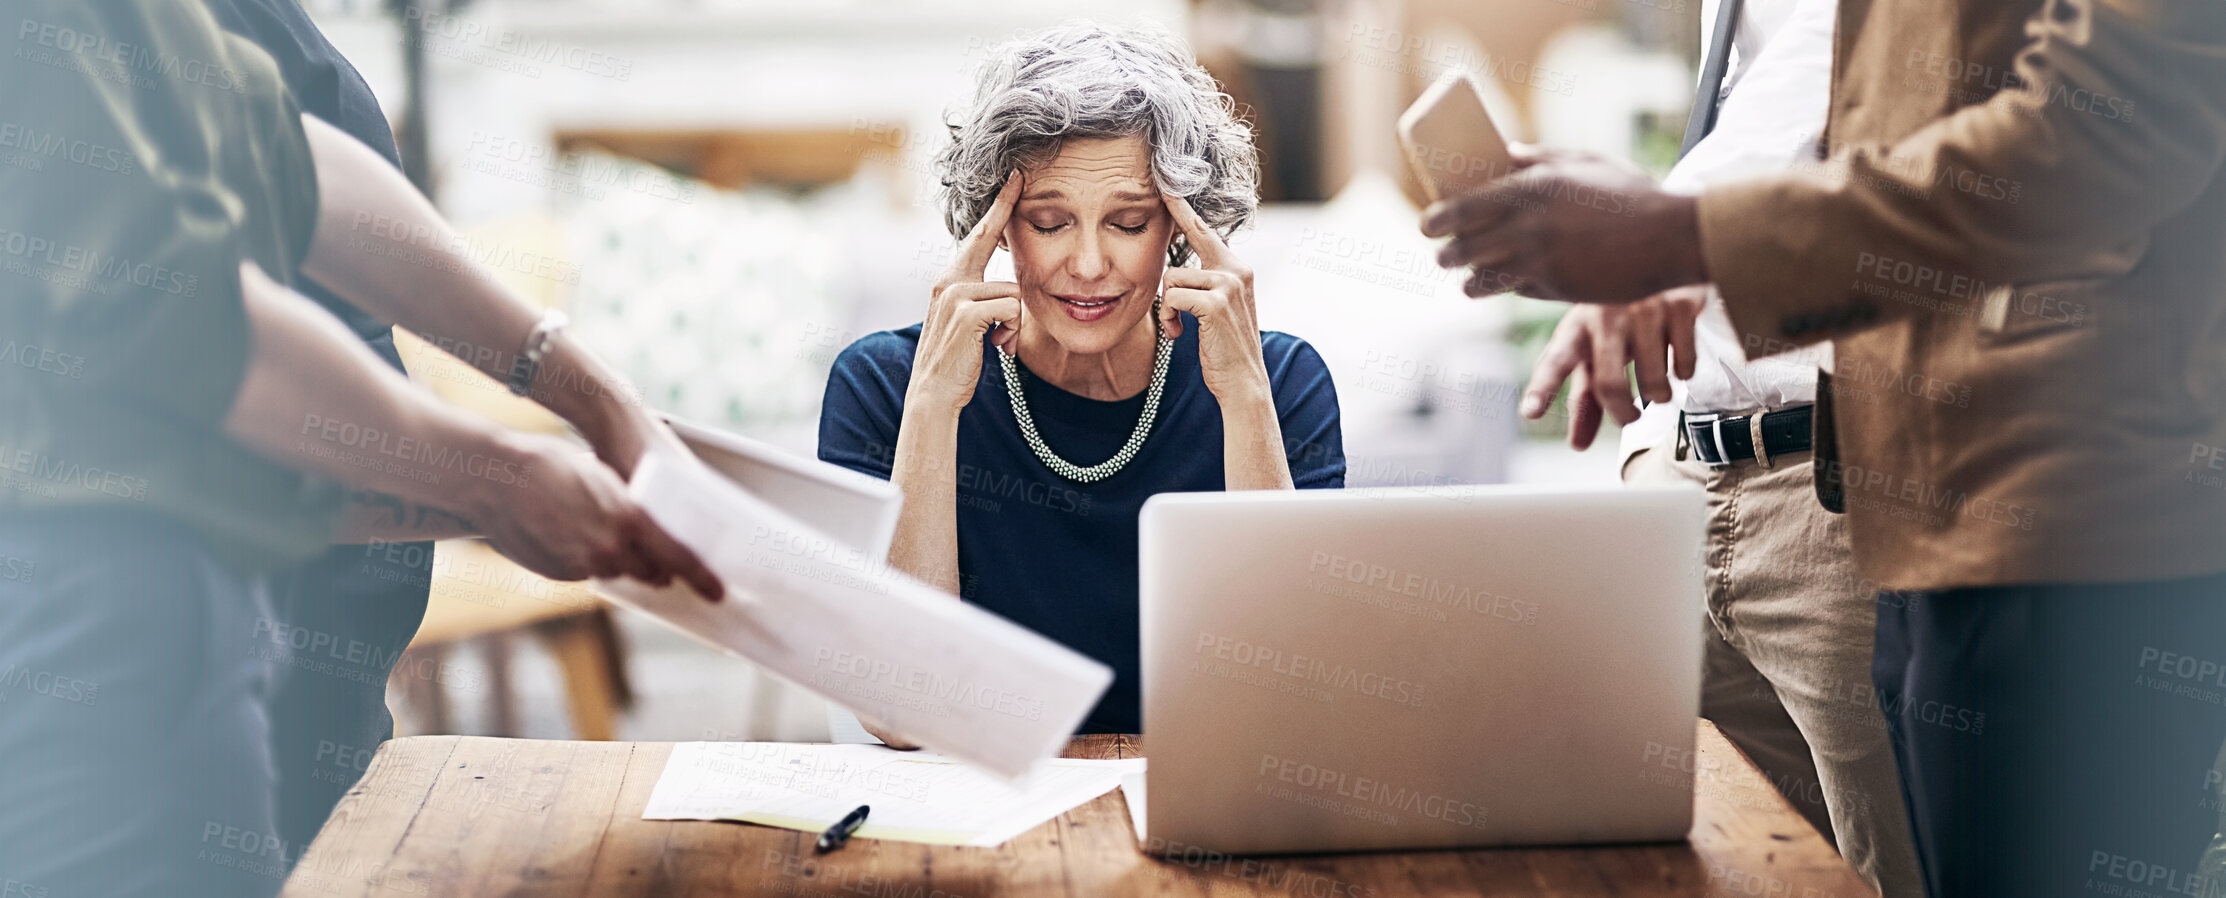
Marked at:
<point>961,310</point>
<point>1219,294</point>
<point>945,369</point>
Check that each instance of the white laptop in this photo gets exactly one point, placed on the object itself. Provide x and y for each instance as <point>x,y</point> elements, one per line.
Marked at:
<point>1420,668</point>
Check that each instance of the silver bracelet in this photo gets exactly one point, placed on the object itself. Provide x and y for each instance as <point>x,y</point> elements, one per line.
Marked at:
<point>527,365</point>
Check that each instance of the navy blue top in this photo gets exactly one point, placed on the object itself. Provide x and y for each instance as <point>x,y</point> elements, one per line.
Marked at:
<point>325,85</point>
<point>1056,556</point>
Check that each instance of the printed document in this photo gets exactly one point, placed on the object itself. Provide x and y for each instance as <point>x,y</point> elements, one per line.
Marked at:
<point>837,620</point>
<point>915,797</point>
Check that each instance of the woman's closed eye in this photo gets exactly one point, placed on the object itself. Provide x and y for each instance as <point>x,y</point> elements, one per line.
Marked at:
<point>1136,230</point>
<point>1132,220</point>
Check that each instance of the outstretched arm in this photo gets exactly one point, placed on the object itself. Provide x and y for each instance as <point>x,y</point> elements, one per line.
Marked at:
<point>315,399</point>
<point>2115,121</point>
<point>383,247</point>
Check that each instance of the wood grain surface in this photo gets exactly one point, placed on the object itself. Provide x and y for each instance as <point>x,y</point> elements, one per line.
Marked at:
<point>461,815</point>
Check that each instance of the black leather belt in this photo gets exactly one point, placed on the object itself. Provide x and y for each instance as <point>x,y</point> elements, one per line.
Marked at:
<point>1720,441</point>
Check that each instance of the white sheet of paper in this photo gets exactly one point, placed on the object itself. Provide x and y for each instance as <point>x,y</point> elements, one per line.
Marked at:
<point>956,678</point>
<point>915,797</point>
<point>1132,789</point>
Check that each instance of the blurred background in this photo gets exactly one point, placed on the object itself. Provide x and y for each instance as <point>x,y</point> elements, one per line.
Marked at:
<point>725,193</point>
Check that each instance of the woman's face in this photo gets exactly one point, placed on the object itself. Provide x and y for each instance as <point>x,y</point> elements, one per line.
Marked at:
<point>1089,240</point>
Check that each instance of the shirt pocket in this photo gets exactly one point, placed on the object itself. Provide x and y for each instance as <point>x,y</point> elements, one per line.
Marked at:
<point>2016,313</point>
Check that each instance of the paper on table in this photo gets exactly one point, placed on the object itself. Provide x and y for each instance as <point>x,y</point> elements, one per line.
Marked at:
<point>1132,788</point>
<point>958,679</point>
<point>915,797</point>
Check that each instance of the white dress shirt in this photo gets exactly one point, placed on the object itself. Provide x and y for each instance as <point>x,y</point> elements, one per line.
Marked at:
<point>1778,87</point>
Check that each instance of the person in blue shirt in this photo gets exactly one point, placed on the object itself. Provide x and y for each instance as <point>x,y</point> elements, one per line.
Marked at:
<point>1026,422</point>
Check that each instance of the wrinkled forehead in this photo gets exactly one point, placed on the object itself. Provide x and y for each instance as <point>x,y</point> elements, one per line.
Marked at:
<point>1094,170</point>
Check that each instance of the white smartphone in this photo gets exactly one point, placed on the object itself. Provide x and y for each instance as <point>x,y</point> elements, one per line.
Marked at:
<point>1451,140</point>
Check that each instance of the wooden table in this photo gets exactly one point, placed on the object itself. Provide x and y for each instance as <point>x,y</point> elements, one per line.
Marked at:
<point>457,815</point>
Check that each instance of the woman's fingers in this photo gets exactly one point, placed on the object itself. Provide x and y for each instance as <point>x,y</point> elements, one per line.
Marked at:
<point>1221,290</point>
<point>1204,304</point>
<point>1198,301</point>
<point>1211,251</point>
<point>981,243</point>
<point>1203,293</point>
<point>982,315</point>
<point>990,306</point>
<point>1202,279</point>
<point>1170,314</point>
<point>1008,329</point>
<point>961,294</point>
<point>1222,282</point>
<point>966,317</point>
<point>949,361</point>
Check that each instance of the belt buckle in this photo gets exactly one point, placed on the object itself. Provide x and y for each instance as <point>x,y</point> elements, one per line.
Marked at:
<point>1714,428</point>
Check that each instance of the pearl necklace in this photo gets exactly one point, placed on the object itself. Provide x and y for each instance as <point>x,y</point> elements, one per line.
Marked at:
<point>1069,470</point>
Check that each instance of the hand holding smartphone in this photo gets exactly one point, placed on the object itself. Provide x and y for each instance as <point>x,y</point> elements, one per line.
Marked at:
<point>1451,140</point>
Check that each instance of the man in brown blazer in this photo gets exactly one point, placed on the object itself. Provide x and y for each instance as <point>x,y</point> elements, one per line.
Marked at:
<point>2016,240</point>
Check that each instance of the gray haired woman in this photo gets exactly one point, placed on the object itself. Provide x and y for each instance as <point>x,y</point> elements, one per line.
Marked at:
<point>1027,421</point>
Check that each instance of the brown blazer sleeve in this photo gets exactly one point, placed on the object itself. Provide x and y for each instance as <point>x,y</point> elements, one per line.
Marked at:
<point>2114,122</point>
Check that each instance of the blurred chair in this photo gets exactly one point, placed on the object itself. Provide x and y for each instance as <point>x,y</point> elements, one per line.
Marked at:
<point>483,598</point>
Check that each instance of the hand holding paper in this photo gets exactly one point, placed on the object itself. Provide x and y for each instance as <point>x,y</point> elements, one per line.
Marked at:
<point>836,619</point>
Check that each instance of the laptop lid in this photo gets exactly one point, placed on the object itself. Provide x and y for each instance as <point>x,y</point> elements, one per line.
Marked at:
<point>1420,668</point>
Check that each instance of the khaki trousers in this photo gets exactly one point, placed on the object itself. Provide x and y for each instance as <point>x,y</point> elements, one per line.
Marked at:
<point>1787,678</point>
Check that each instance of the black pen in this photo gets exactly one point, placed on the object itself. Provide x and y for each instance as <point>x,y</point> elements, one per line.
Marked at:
<point>838,835</point>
